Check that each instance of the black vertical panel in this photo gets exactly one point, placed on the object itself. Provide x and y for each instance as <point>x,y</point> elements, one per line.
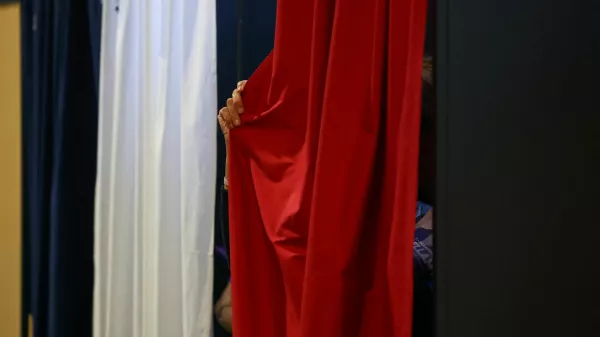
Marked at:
<point>518,167</point>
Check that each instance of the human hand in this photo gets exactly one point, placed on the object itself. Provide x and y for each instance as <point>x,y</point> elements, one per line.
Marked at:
<point>229,116</point>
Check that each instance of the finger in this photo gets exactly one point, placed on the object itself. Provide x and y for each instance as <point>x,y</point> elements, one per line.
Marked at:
<point>234,118</point>
<point>237,102</point>
<point>223,123</point>
<point>226,117</point>
<point>241,85</point>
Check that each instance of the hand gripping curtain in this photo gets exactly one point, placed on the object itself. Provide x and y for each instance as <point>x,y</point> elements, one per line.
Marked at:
<point>323,175</point>
<point>156,169</point>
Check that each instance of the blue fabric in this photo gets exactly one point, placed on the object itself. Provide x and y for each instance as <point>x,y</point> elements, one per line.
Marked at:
<point>60,55</point>
<point>423,307</point>
<point>422,209</point>
<point>423,243</point>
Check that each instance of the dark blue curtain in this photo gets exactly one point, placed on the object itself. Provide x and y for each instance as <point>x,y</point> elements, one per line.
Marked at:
<point>258,29</point>
<point>60,56</point>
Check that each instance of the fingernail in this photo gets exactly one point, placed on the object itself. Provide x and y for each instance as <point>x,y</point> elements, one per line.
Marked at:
<point>236,122</point>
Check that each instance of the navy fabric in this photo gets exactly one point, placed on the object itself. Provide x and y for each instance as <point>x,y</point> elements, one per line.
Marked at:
<point>60,56</point>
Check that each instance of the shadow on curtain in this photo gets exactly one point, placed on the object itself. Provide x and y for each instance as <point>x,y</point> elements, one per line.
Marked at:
<point>60,54</point>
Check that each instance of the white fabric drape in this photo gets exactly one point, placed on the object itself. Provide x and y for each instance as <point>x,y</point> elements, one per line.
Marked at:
<point>156,169</point>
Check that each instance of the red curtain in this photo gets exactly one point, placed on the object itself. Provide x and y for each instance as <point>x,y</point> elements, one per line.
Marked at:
<point>323,173</point>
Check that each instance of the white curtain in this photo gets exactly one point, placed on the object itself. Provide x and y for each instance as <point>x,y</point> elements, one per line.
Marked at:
<point>156,169</point>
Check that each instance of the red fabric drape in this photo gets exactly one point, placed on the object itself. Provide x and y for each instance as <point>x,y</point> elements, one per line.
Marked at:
<point>323,173</point>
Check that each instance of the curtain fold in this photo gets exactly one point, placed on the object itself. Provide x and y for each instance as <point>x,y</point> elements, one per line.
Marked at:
<point>155,189</point>
<point>324,173</point>
<point>60,42</point>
